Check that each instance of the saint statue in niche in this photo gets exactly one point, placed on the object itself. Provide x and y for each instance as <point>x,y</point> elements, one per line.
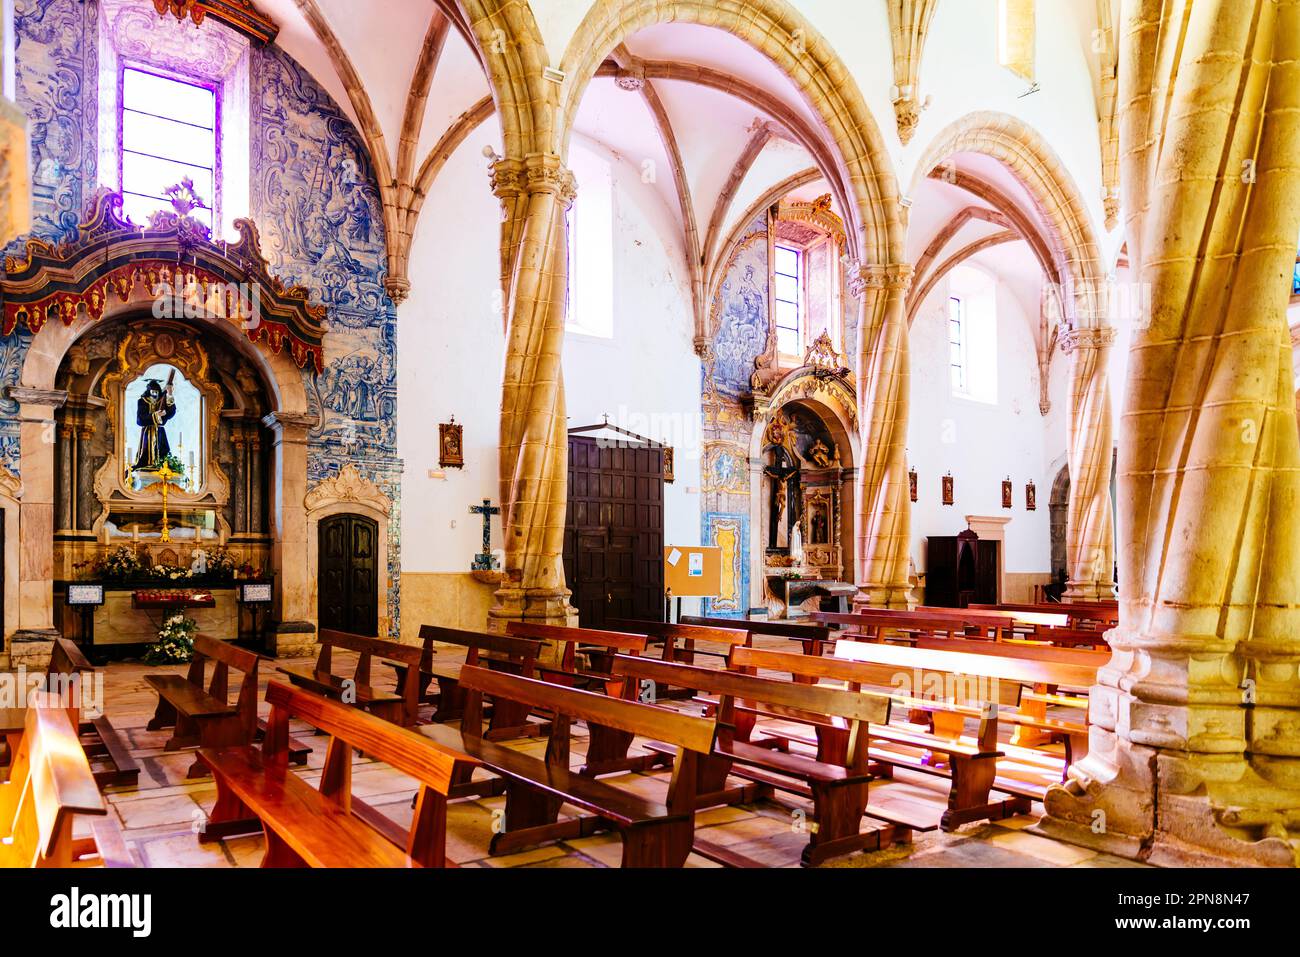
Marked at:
<point>153,410</point>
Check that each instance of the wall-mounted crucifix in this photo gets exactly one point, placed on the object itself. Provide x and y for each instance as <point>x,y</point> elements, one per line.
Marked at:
<point>486,561</point>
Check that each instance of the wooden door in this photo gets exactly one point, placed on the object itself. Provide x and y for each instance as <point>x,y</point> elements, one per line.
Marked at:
<point>614,533</point>
<point>348,575</point>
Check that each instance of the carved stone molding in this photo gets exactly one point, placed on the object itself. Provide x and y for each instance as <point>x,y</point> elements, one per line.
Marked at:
<point>1095,338</point>
<point>25,396</point>
<point>11,486</point>
<point>348,486</point>
<point>862,277</point>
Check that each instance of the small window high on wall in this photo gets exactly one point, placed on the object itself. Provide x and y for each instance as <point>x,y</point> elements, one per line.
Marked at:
<point>169,132</point>
<point>788,298</point>
<point>589,295</point>
<point>972,334</point>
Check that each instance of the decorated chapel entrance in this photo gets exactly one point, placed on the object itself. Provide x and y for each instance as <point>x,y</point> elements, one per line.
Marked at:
<point>164,405</point>
<point>348,574</point>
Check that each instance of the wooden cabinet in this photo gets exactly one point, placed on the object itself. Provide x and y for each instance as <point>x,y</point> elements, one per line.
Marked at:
<point>961,570</point>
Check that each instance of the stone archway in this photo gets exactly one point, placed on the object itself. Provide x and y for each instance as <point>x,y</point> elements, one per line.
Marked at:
<point>114,270</point>
<point>1058,505</point>
<point>1082,293</point>
<point>535,191</point>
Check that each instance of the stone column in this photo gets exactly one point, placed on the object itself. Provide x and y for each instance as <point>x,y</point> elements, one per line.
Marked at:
<point>535,193</point>
<point>254,436</point>
<point>884,508</point>
<point>1090,532</point>
<point>1195,741</point>
<point>37,433</point>
<point>67,483</point>
<point>85,515</point>
<point>295,611</point>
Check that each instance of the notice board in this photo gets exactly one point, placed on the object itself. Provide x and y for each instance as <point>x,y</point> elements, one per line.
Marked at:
<point>693,571</point>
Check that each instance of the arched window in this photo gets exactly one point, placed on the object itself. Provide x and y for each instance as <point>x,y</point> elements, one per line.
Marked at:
<point>973,334</point>
<point>788,299</point>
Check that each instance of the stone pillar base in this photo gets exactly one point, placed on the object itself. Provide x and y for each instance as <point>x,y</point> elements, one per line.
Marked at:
<point>884,596</point>
<point>536,605</point>
<point>31,648</point>
<point>1089,591</point>
<point>1173,809</point>
<point>293,639</point>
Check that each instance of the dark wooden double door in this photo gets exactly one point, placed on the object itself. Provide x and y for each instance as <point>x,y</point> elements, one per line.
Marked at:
<point>348,574</point>
<point>614,532</point>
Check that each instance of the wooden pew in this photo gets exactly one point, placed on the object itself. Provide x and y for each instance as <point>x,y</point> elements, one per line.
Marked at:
<point>654,834</point>
<point>66,678</point>
<point>1081,615</point>
<point>498,652</point>
<point>50,785</point>
<point>1030,651</point>
<point>400,707</point>
<point>1033,725</point>
<point>597,646</point>
<point>205,718</point>
<point>812,637</point>
<point>971,760</point>
<point>329,827</point>
<point>838,788</point>
<point>877,624</point>
<point>679,641</point>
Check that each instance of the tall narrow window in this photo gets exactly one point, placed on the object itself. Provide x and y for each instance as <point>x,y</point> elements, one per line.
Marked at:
<point>169,132</point>
<point>788,270</point>
<point>957,344</point>
<point>589,295</point>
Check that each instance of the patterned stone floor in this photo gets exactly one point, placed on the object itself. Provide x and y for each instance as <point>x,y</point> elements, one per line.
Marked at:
<point>161,817</point>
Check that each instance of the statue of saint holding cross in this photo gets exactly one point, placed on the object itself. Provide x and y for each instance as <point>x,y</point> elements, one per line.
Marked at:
<point>485,561</point>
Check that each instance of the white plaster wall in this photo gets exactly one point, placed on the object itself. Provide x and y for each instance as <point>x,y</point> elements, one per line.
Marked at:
<point>979,443</point>
<point>449,358</point>
<point>647,377</point>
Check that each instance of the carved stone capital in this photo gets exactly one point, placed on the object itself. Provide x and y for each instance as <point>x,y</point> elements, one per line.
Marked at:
<point>289,426</point>
<point>1094,338</point>
<point>895,276</point>
<point>397,287</point>
<point>535,173</point>
<point>907,112</point>
<point>50,397</point>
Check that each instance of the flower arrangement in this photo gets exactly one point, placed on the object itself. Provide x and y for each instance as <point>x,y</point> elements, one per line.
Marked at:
<point>222,564</point>
<point>173,463</point>
<point>120,564</point>
<point>172,572</point>
<point>175,642</point>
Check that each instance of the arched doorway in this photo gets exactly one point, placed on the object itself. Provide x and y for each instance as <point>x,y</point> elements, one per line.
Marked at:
<point>1058,509</point>
<point>347,574</point>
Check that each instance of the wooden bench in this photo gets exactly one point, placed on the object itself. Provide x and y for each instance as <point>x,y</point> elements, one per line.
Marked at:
<point>838,788</point>
<point>1081,615</point>
<point>879,624</point>
<point>971,760</point>
<point>328,826</point>
<point>201,717</point>
<point>680,641</point>
<point>1034,682</point>
<point>400,707</point>
<point>50,786</point>
<point>1030,651</point>
<point>66,678</point>
<point>498,652</point>
<point>595,646</point>
<point>812,637</point>
<point>654,834</point>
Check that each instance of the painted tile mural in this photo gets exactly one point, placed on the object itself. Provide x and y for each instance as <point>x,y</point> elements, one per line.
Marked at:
<point>731,534</point>
<point>317,205</point>
<point>56,85</point>
<point>313,197</point>
<point>741,322</point>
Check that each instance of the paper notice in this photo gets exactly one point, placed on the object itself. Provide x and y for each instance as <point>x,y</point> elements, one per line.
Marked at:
<point>674,557</point>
